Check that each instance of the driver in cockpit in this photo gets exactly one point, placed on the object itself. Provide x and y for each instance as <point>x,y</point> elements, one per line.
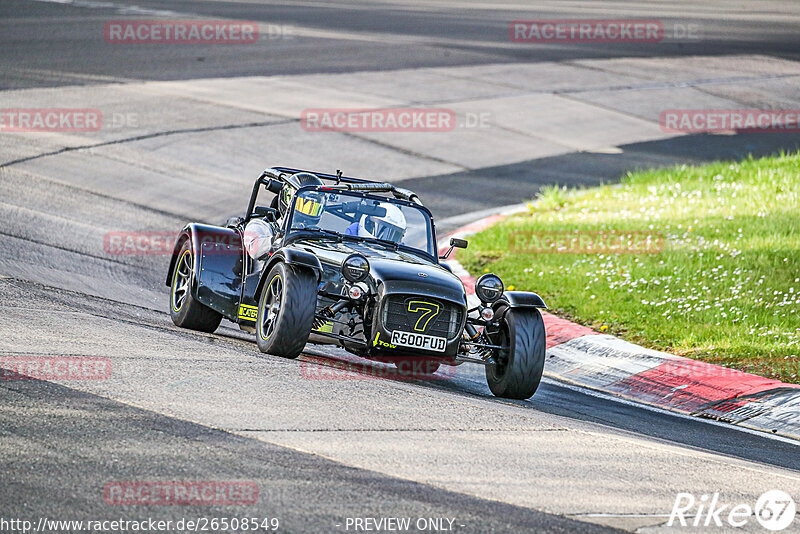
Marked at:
<point>260,233</point>
<point>390,227</point>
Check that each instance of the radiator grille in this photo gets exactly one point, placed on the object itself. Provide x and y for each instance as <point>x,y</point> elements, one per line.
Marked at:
<point>396,316</point>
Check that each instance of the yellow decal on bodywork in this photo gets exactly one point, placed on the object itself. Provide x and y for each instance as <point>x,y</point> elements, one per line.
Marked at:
<point>325,327</point>
<point>248,313</point>
<point>427,311</point>
<point>378,342</point>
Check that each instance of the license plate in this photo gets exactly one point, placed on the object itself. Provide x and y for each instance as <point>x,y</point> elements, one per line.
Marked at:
<point>418,341</point>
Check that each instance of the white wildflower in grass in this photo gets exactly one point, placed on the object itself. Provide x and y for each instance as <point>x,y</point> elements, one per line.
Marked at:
<point>725,278</point>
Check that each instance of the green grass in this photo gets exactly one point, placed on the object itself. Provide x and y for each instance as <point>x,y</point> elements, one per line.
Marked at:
<point>723,287</point>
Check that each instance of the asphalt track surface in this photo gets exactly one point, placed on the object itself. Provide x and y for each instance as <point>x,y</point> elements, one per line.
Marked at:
<point>42,39</point>
<point>188,406</point>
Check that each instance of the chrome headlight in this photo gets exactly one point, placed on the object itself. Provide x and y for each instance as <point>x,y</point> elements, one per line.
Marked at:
<point>355,268</point>
<point>489,288</point>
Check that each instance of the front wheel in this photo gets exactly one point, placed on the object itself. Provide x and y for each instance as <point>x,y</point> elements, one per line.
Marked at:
<point>286,311</point>
<point>518,370</point>
<point>185,311</point>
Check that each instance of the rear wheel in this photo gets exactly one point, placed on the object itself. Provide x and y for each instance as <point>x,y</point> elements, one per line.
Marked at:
<point>518,370</point>
<point>286,311</point>
<point>185,311</point>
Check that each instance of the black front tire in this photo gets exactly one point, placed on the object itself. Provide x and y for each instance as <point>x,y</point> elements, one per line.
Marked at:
<point>286,311</point>
<point>185,311</point>
<point>519,369</point>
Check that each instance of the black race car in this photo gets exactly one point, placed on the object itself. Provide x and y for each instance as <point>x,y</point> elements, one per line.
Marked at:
<point>351,262</point>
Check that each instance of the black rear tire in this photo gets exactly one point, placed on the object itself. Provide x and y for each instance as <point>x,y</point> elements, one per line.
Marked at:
<point>286,311</point>
<point>518,371</point>
<point>185,311</point>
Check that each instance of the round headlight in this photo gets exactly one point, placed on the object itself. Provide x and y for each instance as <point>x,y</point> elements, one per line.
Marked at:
<point>489,288</point>
<point>355,268</point>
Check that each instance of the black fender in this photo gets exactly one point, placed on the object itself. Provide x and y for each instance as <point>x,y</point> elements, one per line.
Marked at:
<point>182,237</point>
<point>218,254</point>
<point>522,299</point>
<point>290,256</point>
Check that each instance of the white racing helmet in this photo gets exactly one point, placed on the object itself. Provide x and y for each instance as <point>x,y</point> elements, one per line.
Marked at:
<point>391,227</point>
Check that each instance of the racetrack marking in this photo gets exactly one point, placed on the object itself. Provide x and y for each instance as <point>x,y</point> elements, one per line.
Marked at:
<point>608,363</point>
<point>600,394</point>
<point>565,383</point>
<point>142,137</point>
<point>679,85</point>
<point>618,434</point>
<point>123,9</point>
<point>45,74</point>
<point>240,392</point>
<point>466,218</point>
<point>230,396</point>
<point>305,31</point>
<point>72,251</point>
<point>592,392</point>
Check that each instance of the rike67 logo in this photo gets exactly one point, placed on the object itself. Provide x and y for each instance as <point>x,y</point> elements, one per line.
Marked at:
<point>774,510</point>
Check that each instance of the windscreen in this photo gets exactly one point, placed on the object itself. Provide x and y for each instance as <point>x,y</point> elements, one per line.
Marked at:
<point>369,218</point>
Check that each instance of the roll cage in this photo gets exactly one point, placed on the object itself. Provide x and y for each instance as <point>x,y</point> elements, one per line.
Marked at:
<point>274,179</point>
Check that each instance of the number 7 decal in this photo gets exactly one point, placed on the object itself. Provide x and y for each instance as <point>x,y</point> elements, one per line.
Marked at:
<point>427,310</point>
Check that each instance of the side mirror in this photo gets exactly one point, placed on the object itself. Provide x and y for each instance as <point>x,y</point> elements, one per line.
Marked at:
<point>458,243</point>
<point>454,243</point>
